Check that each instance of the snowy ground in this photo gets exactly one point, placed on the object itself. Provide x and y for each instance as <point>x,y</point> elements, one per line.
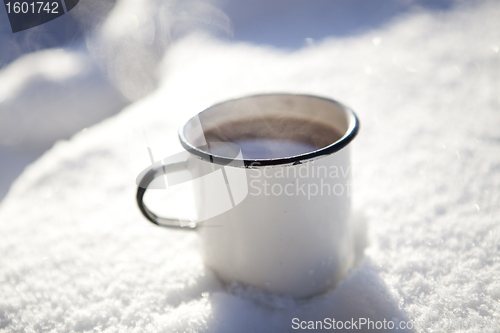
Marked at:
<point>76,255</point>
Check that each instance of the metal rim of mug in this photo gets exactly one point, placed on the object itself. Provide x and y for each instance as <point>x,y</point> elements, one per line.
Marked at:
<point>349,135</point>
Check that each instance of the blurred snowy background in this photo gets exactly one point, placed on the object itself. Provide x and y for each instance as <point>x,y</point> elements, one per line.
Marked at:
<point>70,73</point>
<point>424,77</point>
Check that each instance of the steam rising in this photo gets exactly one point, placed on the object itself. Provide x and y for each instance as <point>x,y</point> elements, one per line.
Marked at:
<point>131,41</point>
<point>108,50</point>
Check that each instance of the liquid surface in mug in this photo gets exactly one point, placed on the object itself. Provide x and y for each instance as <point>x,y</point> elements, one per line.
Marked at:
<point>271,137</point>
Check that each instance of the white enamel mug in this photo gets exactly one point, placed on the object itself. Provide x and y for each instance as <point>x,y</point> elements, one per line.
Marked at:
<point>282,224</point>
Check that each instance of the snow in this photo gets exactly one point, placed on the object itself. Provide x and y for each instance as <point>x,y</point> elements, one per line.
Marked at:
<point>76,254</point>
<point>50,95</point>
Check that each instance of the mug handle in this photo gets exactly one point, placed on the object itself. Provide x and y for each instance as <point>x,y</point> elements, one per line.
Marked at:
<point>147,178</point>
